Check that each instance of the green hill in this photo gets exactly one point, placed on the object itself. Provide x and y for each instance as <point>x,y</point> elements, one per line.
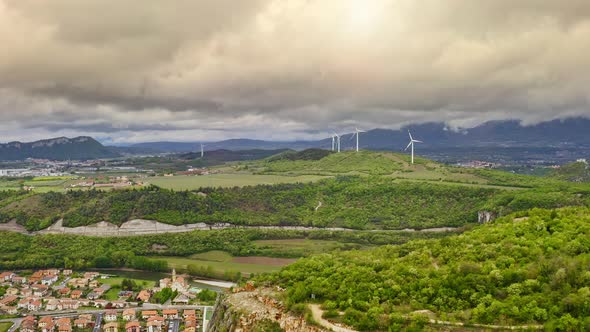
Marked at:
<point>323,162</point>
<point>531,269</point>
<point>574,172</point>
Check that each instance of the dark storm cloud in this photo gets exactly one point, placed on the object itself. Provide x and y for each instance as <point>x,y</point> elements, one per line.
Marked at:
<point>144,70</point>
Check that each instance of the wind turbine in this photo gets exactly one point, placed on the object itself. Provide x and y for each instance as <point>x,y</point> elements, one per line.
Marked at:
<point>337,141</point>
<point>411,144</point>
<point>356,133</point>
<point>333,142</point>
<point>202,150</point>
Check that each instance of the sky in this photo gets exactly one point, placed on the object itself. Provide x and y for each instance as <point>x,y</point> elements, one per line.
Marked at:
<point>150,70</point>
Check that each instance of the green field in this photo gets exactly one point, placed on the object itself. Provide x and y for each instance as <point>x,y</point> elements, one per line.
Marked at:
<point>221,262</point>
<point>5,326</point>
<point>185,182</point>
<point>116,281</point>
<point>304,247</point>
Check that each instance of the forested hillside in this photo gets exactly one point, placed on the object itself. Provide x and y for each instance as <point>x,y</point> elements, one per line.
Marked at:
<point>532,268</point>
<point>18,251</point>
<point>349,202</point>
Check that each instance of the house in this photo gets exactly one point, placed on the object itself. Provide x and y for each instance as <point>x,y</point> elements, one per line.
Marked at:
<point>10,310</point>
<point>91,275</point>
<point>190,325</point>
<point>28,324</point>
<point>7,276</point>
<point>69,304</point>
<point>125,294</point>
<point>24,303</point>
<point>133,327</point>
<point>52,305</point>
<point>154,324</point>
<point>50,272</point>
<point>110,315</point>
<point>76,294</point>
<point>82,323</point>
<point>48,328</point>
<point>181,299</point>
<point>145,314</point>
<point>129,314</point>
<point>19,280</point>
<point>49,279</point>
<point>170,313</point>
<point>64,328</point>
<point>100,303</point>
<point>12,291</point>
<point>44,321</point>
<point>67,272</point>
<point>92,296</point>
<point>176,283</point>
<point>36,277</point>
<point>93,284</point>
<point>78,282</point>
<point>64,324</point>
<point>118,304</point>
<point>8,299</point>
<point>64,291</point>
<point>39,290</point>
<point>85,316</point>
<point>34,305</point>
<point>26,292</point>
<point>143,296</point>
<point>110,327</point>
<point>188,313</point>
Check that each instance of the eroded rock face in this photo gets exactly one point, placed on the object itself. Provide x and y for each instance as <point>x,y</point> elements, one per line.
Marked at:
<point>244,310</point>
<point>484,217</point>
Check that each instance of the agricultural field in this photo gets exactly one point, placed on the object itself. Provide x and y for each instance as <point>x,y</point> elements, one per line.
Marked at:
<point>220,263</point>
<point>226,180</point>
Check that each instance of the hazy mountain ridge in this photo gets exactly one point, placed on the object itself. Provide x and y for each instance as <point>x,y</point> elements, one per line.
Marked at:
<point>557,133</point>
<point>61,148</point>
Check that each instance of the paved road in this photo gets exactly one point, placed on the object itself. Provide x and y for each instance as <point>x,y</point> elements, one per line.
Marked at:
<point>98,323</point>
<point>174,325</point>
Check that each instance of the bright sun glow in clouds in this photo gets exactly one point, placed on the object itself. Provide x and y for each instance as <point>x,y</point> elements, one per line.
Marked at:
<point>362,15</point>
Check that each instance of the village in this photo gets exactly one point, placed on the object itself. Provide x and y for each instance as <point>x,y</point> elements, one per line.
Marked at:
<point>55,300</point>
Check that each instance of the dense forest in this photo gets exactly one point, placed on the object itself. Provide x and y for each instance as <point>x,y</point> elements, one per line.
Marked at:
<point>355,202</point>
<point>527,269</point>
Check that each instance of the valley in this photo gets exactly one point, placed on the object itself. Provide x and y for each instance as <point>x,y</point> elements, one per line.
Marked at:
<point>265,221</point>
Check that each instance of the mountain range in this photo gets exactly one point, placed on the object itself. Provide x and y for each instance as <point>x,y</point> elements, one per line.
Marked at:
<point>504,140</point>
<point>61,148</point>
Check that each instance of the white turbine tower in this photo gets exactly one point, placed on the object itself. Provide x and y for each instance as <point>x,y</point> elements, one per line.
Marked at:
<point>411,144</point>
<point>337,141</point>
<point>202,150</point>
<point>356,133</point>
<point>333,142</point>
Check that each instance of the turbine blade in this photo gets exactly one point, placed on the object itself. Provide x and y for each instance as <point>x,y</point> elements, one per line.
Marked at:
<point>409,144</point>
<point>417,141</point>
<point>411,139</point>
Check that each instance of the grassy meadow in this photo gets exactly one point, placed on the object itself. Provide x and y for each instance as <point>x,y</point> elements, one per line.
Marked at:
<point>5,326</point>
<point>220,262</point>
<point>185,182</point>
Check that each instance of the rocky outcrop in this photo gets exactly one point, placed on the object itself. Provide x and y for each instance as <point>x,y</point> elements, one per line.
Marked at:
<point>245,310</point>
<point>484,217</point>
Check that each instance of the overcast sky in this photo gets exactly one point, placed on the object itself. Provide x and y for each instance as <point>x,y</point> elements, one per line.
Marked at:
<point>146,70</point>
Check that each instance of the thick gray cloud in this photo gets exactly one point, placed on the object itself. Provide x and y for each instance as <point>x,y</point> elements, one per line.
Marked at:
<point>189,70</point>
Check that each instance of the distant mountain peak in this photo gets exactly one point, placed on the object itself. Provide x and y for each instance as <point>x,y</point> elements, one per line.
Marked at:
<point>59,148</point>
